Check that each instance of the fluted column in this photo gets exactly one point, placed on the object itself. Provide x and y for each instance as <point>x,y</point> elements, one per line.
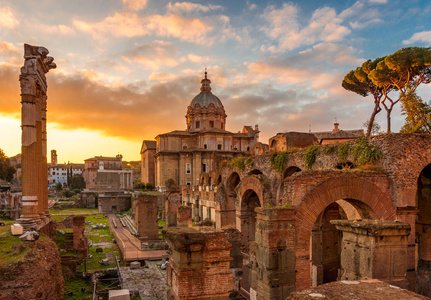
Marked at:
<point>33,144</point>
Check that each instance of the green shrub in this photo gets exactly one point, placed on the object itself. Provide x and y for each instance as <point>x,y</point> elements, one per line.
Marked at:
<point>309,156</point>
<point>365,153</point>
<point>149,186</point>
<point>330,149</point>
<point>278,160</point>
<point>249,162</point>
<point>68,193</point>
<point>343,151</point>
<point>238,163</point>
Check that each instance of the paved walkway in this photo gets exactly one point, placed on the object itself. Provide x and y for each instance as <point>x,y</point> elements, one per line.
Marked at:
<point>149,281</point>
<point>129,245</point>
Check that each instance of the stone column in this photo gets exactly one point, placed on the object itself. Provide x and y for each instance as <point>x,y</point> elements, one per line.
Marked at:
<point>45,162</point>
<point>374,249</point>
<point>33,100</point>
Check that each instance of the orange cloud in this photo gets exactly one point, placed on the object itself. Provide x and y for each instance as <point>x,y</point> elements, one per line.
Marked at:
<point>135,5</point>
<point>76,102</point>
<point>7,18</point>
<point>128,24</point>
<point>154,55</point>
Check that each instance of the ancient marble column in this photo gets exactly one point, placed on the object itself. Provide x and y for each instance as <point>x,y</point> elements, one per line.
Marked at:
<point>33,122</point>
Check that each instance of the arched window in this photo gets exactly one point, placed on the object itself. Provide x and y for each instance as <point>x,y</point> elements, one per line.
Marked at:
<point>219,147</point>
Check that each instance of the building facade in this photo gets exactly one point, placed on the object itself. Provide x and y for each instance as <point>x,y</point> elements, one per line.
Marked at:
<point>106,173</point>
<point>59,173</point>
<point>148,151</point>
<point>182,157</point>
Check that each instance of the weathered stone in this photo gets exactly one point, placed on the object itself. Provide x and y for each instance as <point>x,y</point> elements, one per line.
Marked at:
<point>29,236</point>
<point>16,229</point>
<point>365,289</point>
<point>33,118</point>
<point>374,249</point>
<point>119,295</point>
<point>135,265</point>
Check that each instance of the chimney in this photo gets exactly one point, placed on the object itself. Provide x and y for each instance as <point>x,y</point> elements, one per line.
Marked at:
<point>336,129</point>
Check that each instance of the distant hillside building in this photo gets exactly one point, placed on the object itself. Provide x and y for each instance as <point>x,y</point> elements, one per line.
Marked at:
<point>60,172</point>
<point>184,155</point>
<point>337,135</point>
<point>106,173</point>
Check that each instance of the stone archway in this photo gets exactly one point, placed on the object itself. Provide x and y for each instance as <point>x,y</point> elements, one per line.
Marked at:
<point>325,244</point>
<point>225,197</point>
<point>246,224</point>
<point>423,233</point>
<point>367,198</point>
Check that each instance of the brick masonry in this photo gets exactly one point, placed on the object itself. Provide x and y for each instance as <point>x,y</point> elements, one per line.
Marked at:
<point>387,191</point>
<point>199,263</point>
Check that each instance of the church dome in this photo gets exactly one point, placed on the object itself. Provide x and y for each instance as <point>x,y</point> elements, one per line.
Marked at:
<point>205,97</point>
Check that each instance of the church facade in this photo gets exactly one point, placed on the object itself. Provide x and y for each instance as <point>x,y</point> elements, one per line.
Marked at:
<point>182,157</point>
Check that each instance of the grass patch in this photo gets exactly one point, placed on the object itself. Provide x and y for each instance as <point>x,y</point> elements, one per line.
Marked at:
<point>6,244</point>
<point>74,211</point>
<point>75,287</point>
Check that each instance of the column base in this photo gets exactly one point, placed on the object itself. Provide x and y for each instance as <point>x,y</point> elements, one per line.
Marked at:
<point>27,224</point>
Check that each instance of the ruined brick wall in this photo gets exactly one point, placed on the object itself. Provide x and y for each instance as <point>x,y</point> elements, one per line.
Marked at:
<point>80,242</point>
<point>114,203</point>
<point>386,190</point>
<point>146,214</point>
<point>108,180</point>
<point>172,202</point>
<point>184,216</point>
<point>199,263</point>
<point>288,140</point>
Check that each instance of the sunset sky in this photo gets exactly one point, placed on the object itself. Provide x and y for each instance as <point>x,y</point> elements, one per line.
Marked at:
<point>127,70</point>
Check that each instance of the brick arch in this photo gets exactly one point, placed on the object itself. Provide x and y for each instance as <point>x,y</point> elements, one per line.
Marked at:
<point>254,184</point>
<point>334,189</point>
<point>361,190</point>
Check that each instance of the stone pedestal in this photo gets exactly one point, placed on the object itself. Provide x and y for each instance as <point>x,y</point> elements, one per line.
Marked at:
<point>374,249</point>
<point>273,258</point>
<point>198,263</point>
